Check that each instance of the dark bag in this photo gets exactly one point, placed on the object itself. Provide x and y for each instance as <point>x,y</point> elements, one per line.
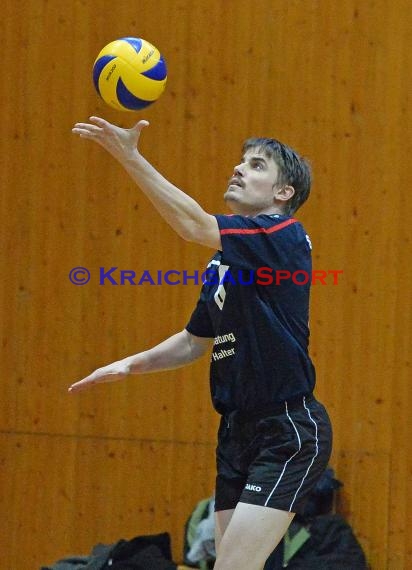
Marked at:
<point>331,546</point>
<point>141,553</point>
<point>317,539</point>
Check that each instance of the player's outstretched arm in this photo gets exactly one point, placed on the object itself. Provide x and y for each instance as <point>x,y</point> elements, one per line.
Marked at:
<point>174,352</point>
<point>183,213</point>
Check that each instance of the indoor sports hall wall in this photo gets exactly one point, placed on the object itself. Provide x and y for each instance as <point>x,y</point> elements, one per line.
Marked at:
<point>330,78</point>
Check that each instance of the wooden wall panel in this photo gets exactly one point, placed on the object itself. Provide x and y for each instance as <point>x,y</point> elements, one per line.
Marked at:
<point>367,507</point>
<point>72,493</point>
<point>331,79</point>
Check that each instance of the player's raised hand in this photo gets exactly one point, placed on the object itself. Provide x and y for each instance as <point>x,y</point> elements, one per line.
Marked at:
<point>110,373</point>
<point>119,142</point>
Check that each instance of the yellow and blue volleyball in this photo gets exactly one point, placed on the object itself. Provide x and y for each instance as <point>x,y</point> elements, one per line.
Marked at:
<point>129,74</point>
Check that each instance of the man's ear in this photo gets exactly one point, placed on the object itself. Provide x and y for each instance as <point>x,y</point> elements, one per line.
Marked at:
<point>284,193</point>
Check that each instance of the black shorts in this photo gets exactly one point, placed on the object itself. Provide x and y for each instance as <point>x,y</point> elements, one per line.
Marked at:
<point>274,460</point>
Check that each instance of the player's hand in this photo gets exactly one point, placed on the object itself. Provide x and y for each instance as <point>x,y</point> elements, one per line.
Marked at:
<point>120,143</point>
<point>110,373</point>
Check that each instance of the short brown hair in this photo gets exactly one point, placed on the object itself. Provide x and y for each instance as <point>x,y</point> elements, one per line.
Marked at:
<point>294,170</point>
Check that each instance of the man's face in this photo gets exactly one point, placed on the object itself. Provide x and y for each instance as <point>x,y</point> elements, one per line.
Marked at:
<point>252,188</point>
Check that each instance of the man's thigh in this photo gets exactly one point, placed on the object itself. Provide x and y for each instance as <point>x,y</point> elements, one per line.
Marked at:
<point>251,536</point>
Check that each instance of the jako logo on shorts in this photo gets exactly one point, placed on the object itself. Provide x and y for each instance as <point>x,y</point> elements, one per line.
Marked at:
<point>253,488</point>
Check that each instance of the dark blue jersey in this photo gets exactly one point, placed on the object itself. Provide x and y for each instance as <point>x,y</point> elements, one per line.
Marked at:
<point>255,304</point>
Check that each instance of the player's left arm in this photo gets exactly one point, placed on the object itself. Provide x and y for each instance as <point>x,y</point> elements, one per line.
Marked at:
<point>179,210</point>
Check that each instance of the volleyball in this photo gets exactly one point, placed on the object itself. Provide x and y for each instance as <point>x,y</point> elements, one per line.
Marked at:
<point>129,74</point>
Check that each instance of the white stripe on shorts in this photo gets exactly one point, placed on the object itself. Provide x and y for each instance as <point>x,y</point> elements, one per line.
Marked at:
<point>290,458</point>
<point>313,458</point>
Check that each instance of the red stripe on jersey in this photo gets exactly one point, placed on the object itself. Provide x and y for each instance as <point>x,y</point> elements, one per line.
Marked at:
<point>259,230</point>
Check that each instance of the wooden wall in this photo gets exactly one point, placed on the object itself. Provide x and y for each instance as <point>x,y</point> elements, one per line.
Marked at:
<point>330,78</point>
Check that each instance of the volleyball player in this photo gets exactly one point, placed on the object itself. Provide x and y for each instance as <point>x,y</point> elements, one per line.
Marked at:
<point>274,439</point>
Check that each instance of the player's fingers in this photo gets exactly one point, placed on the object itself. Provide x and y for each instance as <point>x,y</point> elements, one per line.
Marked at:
<point>82,384</point>
<point>88,127</point>
<point>99,121</point>
<point>86,132</point>
<point>78,386</point>
<point>83,133</point>
<point>140,125</point>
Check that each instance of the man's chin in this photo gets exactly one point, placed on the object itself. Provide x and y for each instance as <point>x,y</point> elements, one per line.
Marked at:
<point>233,202</point>
<point>230,196</point>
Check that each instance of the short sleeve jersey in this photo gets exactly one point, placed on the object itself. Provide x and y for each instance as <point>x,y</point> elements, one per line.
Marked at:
<point>257,315</point>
